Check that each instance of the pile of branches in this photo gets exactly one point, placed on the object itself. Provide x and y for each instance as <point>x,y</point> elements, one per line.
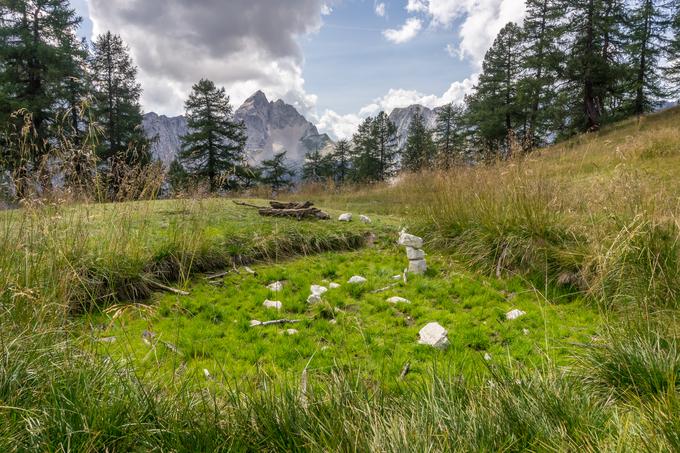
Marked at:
<point>295,210</point>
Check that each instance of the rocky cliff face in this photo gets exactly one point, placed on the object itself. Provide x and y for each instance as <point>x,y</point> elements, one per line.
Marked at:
<point>166,133</point>
<point>402,118</point>
<point>271,127</point>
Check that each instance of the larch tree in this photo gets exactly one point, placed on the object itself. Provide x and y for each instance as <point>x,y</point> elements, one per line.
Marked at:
<point>214,146</point>
<point>116,102</point>
<point>420,150</point>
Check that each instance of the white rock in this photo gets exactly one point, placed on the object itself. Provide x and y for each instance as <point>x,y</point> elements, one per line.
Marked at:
<point>525,331</point>
<point>398,300</point>
<point>434,335</point>
<point>409,240</point>
<point>276,287</point>
<point>313,299</point>
<point>417,267</point>
<point>487,357</point>
<point>346,217</point>
<point>334,285</point>
<point>397,277</point>
<point>206,373</point>
<point>275,304</point>
<point>332,321</point>
<point>514,314</point>
<point>414,254</point>
<point>291,332</point>
<point>357,279</point>
<point>318,290</point>
<point>364,219</point>
<point>255,323</point>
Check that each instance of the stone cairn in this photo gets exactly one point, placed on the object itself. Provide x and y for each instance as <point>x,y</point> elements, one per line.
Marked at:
<point>414,252</point>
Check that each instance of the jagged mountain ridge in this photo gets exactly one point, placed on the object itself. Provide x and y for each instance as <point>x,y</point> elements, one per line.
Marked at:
<point>271,126</point>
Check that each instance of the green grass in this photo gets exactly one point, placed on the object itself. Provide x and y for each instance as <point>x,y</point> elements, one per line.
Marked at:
<point>582,236</point>
<point>353,329</point>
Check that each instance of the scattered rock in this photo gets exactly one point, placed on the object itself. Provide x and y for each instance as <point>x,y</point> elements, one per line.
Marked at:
<point>318,290</point>
<point>525,331</point>
<point>434,335</point>
<point>249,270</point>
<point>107,340</point>
<point>347,217</point>
<point>255,323</point>
<point>357,279</point>
<point>514,314</point>
<point>398,300</point>
<point>414,254</point>
<point>417,267</point>
<point>291,332</point>
<point>334,285</point>
<point>364,219</point>
<point>313,299</point>
<point>409,240</point>
<point>275,287</point>
<point>275,304</point>
<point>487,357</point>
<point>207,374</point>
<point>397,277</point>
<point>332,321</point>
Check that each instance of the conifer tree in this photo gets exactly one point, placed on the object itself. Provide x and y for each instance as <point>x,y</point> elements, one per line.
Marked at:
<point>365,166</point>
<point>316,167</point>
<point>595,69</point>
<point>341,161</point>
<point>648,27</point>
<point>276,173</point>
<point>542,33</point>
<point>37,50</point>
<point>672,69</point>
<point>213,149</point>
<point>385,139</point>
<point>495,107</point>
<point>450,134</point>
<point>116,102</point>
<point>420,150</point>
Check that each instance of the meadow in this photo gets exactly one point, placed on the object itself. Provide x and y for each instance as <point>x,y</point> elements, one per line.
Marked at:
<point>98,354</point>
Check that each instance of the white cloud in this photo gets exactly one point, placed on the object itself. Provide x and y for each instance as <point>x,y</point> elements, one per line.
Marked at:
<point>481,21</point>
<point>344,126</point>
<point>243,45</point>
<point>407,32</point>
<point>452,50</point>
<point>326,10</point>
<point>380,9</point>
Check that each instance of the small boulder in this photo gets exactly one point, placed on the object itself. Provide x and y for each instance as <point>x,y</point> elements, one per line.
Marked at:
<point>487,357</point>
<point>398,300</point>
<point>525,331</point>
<point>207,374</point>
<point>364,219</point>
<point>417,267</point>
<point>318,290</point>
<point>291,332</point>
<point>514,314</point>
<point>409,240</point>
<point>334,285</point>
<point>434,335</point>
<point>414,254</point>
<point>332,321</point>
<point>346,217</point>
<point>357,279</point>
<point>314,299</point>
<point>275,304</point>
<point>275,287</point>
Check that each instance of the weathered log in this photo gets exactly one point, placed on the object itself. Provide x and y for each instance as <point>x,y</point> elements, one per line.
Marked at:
<point>296,213</point>
<point>291,205</point>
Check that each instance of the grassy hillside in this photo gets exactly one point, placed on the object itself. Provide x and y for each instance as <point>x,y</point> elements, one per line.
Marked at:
<point>582,236</point>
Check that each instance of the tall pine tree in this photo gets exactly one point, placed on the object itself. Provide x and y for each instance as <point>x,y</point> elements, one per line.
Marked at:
<point>276,173</point>
<point>385,138</point>
<point>495,107</point>
<point>450,134</point>
<point>672,68</point>
<point>116,102</point>
<point>648,27</point>
<point>37,52</point>
<point>341,161</point>
<point>214,146</point>
<point>420,150</point>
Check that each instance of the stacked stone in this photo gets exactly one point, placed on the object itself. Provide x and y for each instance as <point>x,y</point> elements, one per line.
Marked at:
<point>414,252</point>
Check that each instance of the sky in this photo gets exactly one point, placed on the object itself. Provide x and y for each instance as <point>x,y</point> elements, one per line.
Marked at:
<point>336,61</point>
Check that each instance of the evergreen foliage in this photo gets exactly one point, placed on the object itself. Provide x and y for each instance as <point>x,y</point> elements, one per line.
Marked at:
<point>420,150</point>
<point>449,134</point>
<point>214,147</point>
<point>276,173</point>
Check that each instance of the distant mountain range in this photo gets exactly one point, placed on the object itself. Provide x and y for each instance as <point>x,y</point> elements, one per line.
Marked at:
<point>271,128</point>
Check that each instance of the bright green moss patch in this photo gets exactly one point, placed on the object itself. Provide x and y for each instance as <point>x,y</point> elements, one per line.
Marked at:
<point>354,328</point>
